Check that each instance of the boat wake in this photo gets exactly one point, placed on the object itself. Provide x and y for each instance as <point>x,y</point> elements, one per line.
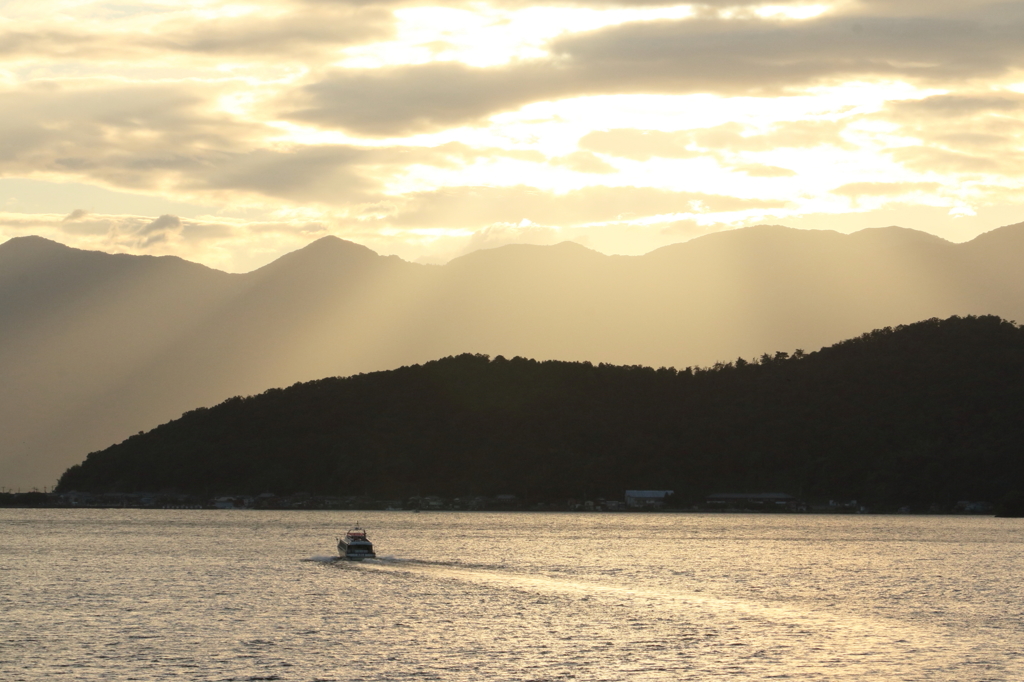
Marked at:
<point>379,560</point>
<point>458,565</point>
<point>392,560</point>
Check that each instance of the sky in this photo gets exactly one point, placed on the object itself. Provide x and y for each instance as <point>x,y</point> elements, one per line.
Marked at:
<point>229,133</point>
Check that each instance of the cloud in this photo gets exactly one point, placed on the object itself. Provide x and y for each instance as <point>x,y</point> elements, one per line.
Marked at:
<point>970,132</point>
<point>956,105</point>
<point>583,162</point>
<point>747,56</point>
<point>878,189</point>
<point>164,222</point>
<point>293,32</point>
<point>52,43</point>
<point>977,141</point>
<point>642,145</point>
<point>930,159</point>
<point>472,207</point>
<point>128,135</point>
<point>451,154</point>
<point>338,175</point>
<point>759,170</point>
<point>639,145</point>
<point>278,31</point>
<point>796,135</point>
<point>77,214</point>
<point>327,173</point>
<point>607,4</point>
<point>171,137</point>
<point>499,235</point>
<point>307,30</point>
<point>411,99</point>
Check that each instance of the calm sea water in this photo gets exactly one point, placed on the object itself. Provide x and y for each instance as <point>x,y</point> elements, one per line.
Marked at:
<point>250,595</point>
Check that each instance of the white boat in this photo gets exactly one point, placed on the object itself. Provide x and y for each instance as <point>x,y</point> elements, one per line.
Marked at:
<point>355,546</point>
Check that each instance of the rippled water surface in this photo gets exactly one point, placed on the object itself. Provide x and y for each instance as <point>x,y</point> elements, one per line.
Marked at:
<point>252,595</point>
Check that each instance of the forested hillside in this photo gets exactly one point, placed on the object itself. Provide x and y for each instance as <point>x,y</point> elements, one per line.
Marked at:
<point>928,413</point>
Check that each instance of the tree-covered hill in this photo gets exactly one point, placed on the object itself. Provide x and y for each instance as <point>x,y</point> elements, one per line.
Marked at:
<point>96,347</point>
<point>927,413</point>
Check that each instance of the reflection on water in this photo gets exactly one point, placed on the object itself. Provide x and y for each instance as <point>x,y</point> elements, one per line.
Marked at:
<point>246,595</point>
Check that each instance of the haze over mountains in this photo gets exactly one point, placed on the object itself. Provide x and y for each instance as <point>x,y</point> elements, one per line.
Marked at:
<point>96,347</point>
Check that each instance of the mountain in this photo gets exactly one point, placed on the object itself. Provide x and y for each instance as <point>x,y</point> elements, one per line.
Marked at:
<point>924,414</point>
<point>95,347</point>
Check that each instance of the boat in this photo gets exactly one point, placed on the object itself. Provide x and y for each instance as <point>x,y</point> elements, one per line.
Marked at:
<point>355,546</point>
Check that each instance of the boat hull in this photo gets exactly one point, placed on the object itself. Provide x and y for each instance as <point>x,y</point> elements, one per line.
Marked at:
<point>356,552</point>
<point>355,546</point>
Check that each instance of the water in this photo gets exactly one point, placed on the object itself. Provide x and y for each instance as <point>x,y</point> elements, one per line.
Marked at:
<point>247,595</point>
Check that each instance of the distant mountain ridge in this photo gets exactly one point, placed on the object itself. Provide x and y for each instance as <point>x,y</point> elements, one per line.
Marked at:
<point>95,346</point>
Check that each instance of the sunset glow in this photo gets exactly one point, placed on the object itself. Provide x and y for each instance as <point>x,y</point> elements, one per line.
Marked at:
<point>411,127</point>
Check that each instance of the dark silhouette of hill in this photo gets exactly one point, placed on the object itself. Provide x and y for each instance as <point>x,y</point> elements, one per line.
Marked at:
<point>927,413</point>
<point>96,347</point>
